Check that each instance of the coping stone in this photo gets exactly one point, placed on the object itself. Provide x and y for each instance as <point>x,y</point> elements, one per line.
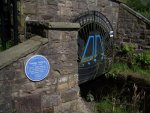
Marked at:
<point>14,53</point>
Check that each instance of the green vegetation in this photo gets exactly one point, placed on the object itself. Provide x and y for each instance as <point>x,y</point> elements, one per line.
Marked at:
<point>108,106</point>
<point>119,103</point>
<point>9,44</point>
<point>128,98</point>
<point>128,48</point>
<point>130,62</point>
<point>113,105</point>
<point>122,68</point>
<point>144,59</point>
<point>141,6</point>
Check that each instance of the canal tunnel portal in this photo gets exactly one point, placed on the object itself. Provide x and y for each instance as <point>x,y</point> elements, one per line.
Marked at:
<point>95,45</point>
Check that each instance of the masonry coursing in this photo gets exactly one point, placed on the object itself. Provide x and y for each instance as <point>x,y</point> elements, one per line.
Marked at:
<point>67,10</point>
<point>59,92</point>
<point>19,94</point>
<point>133,29</point>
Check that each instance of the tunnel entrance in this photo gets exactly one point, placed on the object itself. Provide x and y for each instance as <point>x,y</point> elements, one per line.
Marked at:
<point>95,45</point>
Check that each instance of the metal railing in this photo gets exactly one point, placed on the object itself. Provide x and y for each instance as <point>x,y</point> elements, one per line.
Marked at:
<point>94,24</point>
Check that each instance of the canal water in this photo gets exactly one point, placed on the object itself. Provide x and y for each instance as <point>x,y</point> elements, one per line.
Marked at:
<point>129,90</point>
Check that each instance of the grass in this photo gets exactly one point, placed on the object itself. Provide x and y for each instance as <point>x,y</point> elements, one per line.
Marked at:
<point>105,106</point>
<point>120,103</point>
<point>122,68</point>
<point>108,105</point>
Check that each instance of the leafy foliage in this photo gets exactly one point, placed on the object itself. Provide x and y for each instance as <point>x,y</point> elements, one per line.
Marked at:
<point>128,52</point>
<point>142,6</point>
<point>144,59</point>
<point>128,47</point>
<point>131,62</point>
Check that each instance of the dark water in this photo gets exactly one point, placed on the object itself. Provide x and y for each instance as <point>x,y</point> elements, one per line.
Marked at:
<point>125,89</point>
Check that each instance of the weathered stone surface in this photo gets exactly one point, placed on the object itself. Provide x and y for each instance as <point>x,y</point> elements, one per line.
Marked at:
<point>28,104</point>
<point>61,51</point>
<point>132,27</point>
<point>62,87</point>
<point>51,100</point>
<point>29,87</point>
<point>63,25</point>
<point>63,79</point>
<point>30,8</point>
<point>48,110</point>
<point>70,95</point>
<point>67,10</point>
<point>68,107</point>
<point>16,52</point>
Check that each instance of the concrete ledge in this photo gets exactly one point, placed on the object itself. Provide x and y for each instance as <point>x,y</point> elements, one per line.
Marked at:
<point>9,56</point>
<point>64,25</point>
<point>135,13</point>
<point>54,25</point>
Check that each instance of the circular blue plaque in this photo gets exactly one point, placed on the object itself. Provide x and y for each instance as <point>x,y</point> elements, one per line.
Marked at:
<point>37,68</point>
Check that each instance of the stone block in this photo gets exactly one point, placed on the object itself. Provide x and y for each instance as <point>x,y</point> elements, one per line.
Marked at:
<point>62,87</point>
<point>60,36</point>
<point>28,104</point>
<point>52,2</point>
<point>147,32</point>
<point>68,107</point>
<point>48,110</point>
<point>42,9</point>
<point>144,47</point>
<point>70,95</point>
<point>75,5</point>
<point>30,8</point>
<point>63,79</point>
<point>82,5</point>
<point>29,87</point>
<point>72,84</point>
<point>51,100</point>
<point>67,71</point>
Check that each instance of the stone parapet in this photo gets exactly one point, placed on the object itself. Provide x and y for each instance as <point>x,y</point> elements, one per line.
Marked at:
<point>21,50</point>
<point>133,28</point>
<point>138,15</point>
<point>58,92</point>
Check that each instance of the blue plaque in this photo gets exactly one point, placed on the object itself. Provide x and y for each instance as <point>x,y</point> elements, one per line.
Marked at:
<point>37,68</point>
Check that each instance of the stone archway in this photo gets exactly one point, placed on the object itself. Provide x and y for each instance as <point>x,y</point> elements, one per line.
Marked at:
<point>95,45</point>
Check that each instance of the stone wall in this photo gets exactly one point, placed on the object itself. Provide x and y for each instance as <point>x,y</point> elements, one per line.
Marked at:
<point>57,93</point>
<point>67,10</point>
<point>133,27</point>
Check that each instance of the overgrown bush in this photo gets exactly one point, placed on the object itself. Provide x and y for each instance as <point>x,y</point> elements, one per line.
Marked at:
<point>132,58</point>
<point>129,61</point>
<point>128,54</point>
<point>128,48</point>
<point>144,59</point>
